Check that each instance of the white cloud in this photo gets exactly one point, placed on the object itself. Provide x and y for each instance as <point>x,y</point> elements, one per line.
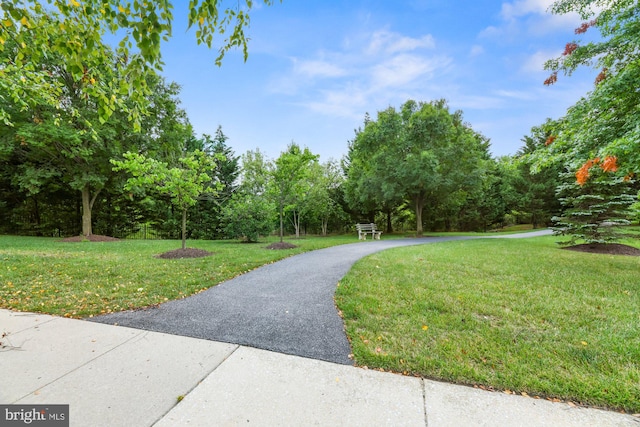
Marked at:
<point>404,69</point>
<point>516,94</point>
<point>348,102</point>
<point>535,62</point>
<point>388,42</point>
<point>368,69</point>
<point>531,17</point>
<point>476,50</point>
<point>521,8</point>
<point>317,68</point>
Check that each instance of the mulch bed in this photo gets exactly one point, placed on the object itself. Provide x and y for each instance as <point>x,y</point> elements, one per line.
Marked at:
<point>91,238</point>
<point>281,245</point>
<point>185,253</point>
<point>605,248</point>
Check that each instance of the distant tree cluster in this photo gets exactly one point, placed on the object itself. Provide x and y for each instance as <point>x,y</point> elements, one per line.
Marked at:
<point>94,141</point>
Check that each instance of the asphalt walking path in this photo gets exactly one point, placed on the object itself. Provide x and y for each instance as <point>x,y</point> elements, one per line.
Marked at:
<point>287,306</point>
<point>123,376</point>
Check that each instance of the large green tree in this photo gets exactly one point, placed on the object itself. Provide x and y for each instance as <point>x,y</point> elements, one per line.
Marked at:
<point>363,191</point>
<point>291,183</point>
<point>423,153</point>
<point>74,31</point>
<point>70,146</point>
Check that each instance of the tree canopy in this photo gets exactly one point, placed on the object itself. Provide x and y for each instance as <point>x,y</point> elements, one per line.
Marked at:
<point>290,182</point>
<point>183,184</point>
<point>423,154</point>
<point>74,31</point>
<point>603,128</point>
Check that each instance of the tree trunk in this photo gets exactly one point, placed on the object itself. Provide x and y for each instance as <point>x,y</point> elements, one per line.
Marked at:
<point>86,211</point>
<point>296,223</point>
<point>389,224</point>
<point>419,207</point>
<point>184,228</point>
<point>281,221</point>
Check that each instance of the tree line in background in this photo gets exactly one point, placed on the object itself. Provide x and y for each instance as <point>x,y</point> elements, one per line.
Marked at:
<point>95,141</point>
<point>418,167</point>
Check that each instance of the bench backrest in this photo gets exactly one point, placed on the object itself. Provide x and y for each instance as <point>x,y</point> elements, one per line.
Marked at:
<point>366,227</point>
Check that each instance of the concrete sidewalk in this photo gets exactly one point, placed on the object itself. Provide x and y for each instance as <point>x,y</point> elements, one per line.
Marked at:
<point>117,376</point>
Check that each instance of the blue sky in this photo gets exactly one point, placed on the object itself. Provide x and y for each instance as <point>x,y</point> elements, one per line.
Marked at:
<point>315,68</point>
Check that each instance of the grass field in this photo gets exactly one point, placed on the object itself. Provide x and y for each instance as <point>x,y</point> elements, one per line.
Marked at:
<point>517,315</point>
<point>521,316</point>
<point>85,279</point>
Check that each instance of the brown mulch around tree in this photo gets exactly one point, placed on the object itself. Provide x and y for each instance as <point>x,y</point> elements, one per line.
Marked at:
<point>185,253</point>
<point>281,245</point>
<point>91,238</point>
<point>605,248</point>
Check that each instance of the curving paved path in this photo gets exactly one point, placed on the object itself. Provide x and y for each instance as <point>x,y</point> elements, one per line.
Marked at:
<point>287,306</point>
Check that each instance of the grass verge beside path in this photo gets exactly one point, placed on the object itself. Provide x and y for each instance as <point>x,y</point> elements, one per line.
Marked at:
<point>517,315</point>
<point>85,279</point>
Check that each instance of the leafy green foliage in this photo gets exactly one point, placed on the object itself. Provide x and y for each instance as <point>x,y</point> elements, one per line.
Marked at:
<point>32,31</point>
<point>183,184</point>
<point>291,183</point>
<point>535,193</point>
<point>205,218</point>
<point>251,212</point>
<point>599,137</point>
<point>423,154</point>
<point>605,122</point>
<point>594,211</point>
<point>321,201</point>
<point>248,217</point>
<point>49,151</point>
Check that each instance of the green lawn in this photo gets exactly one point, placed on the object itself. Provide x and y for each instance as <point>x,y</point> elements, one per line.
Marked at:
<point>517,315</point>
<point>85,279</point>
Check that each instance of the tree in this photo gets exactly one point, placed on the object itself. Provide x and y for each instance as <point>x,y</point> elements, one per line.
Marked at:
<point>70,146</point>
<point>321,200</point>
<point>363,191</point>
<point>537,191</point>
<point>605,123</point>
<point>290,183</point>
<point>422,153</point>
<point>595,210</point>
<point>484,205</point>
<point>205,218</point>
<point>183,184</point>
<point>250,212</point>
<point>599,138</point>
<point>74,31</point>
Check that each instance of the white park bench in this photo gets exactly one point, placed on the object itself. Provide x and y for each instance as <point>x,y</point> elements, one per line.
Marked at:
<point>364,229</point>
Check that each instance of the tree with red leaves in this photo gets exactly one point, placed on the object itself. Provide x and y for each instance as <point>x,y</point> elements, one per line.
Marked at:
<point>605,123</point>
<point>598,140</point>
